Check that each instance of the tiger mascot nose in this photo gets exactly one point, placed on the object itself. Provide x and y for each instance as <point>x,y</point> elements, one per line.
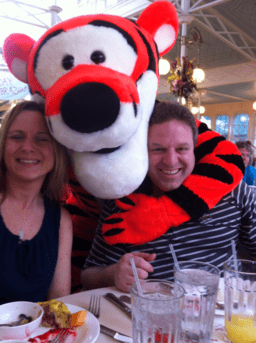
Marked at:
<point>95,106</point>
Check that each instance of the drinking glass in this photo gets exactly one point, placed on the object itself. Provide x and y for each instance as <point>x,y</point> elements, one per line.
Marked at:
<point>200,281</point>
<point>156,314</point>
<point>240,301</point>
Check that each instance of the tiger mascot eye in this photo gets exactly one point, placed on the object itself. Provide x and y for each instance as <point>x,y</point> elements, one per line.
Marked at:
<point>98,77</point>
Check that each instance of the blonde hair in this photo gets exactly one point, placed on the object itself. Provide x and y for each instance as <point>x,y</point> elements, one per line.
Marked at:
<point>58,176</point>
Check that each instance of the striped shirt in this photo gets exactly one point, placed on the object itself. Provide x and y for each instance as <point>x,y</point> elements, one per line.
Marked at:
<point>207,239</point>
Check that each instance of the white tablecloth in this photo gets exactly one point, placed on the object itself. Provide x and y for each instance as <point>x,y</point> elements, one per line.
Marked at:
<point>115,319</point>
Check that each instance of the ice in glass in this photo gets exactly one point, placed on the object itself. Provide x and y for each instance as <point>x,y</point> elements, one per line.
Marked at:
<point>200,281</point>
<point>156,315</point>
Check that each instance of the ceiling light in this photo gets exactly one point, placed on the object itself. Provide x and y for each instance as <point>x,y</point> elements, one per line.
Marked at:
<point>164,66</point>
<point>198,75</point>
<point>201,109</point>
<point>254,105</point>
<point>194,110</point>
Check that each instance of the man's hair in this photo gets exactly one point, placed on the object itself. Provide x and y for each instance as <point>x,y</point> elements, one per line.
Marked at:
<point>248,146</point>
<point>58,176</point>
<point>166,111</point>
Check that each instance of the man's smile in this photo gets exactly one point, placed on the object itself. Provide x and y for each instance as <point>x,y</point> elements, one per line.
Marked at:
<point>170,172</point>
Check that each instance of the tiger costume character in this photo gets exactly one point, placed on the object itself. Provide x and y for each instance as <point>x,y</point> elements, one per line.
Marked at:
<point>98,77</point>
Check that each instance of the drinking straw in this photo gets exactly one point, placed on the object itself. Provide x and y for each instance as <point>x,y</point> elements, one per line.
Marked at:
<point>136,277</point>
<point>176,263</point>
<point>234,254</point>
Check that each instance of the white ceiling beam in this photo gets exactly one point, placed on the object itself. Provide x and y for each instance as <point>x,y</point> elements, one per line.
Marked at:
<point>31,14</point>
<point>25,22</point>
<point>29,5</point>
<point>245,50</point>
<point>202,7</point>
<point>224,95</point>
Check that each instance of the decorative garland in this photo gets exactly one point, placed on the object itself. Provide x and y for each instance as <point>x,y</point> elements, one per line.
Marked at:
<point>181,80</point>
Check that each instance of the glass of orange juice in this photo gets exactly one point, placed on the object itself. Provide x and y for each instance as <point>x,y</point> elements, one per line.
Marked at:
<point>240,301</point>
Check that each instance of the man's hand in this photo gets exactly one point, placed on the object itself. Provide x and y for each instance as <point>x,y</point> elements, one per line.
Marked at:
<point>124,275</point>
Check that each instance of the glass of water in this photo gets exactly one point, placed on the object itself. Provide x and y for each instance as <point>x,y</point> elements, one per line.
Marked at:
<point>200,281</point>
<point>156,314</point>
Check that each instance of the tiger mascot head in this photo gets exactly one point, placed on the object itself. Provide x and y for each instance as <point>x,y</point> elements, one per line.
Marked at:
<point>98,76</point>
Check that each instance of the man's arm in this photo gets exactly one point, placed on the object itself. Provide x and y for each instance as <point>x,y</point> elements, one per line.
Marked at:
<point>111,266</point>
<point>98,277</point>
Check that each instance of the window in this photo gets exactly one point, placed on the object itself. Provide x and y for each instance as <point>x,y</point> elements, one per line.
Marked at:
<point>222,125</point>
<point>206,120</point>
<point>241,124</point>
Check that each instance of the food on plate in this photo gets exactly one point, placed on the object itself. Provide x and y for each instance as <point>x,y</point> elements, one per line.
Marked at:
<point>23,319</point>
<point>51,334</point>
<point>56,314</point>
<point>78,318</point>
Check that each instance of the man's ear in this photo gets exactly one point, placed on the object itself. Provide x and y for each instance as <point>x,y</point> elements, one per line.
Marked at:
<point>16,50</point>
<point>160,19</point>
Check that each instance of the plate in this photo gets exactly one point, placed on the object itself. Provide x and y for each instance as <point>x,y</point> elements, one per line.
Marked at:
<point>87,333</point>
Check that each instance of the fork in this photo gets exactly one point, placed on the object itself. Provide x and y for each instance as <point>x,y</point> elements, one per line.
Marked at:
<point>94,306</point>
<point>60,337</point>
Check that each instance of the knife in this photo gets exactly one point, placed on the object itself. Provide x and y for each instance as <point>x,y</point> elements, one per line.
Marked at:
<point>115,300</point>
<point>116,335</point>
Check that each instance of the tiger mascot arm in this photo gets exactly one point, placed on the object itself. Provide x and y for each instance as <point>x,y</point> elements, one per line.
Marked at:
<point>218,170</point>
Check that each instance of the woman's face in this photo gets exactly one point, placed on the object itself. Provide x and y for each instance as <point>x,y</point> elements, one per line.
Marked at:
<point>29,152</point>
<point>245,156</point>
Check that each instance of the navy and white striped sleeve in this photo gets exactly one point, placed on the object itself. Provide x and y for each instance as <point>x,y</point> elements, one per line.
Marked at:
<point>246,199</point>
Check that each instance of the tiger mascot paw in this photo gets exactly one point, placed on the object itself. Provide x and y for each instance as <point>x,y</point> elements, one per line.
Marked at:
<point>142,219</point>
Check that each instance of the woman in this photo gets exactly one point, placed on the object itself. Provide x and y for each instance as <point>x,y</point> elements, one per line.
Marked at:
<point>35,232</point>
<point>245,148</point>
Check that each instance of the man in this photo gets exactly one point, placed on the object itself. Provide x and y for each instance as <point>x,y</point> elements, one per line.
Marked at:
<point>171,142</point>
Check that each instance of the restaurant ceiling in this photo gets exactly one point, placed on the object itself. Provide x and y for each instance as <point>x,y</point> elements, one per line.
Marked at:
<point>228,29</point>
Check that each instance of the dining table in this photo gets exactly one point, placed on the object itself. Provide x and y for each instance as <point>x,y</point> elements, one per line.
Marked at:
<point>114,318</point>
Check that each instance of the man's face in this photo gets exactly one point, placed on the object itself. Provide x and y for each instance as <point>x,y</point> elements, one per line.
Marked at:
<point>171,154</point>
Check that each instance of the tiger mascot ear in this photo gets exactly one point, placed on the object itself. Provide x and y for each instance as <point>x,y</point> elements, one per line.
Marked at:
<point>16,51</point>
<point>165,35</point>
<point>98,76</point>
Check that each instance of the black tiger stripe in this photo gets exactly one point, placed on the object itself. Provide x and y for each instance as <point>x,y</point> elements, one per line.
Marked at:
<point>213,171</point>
<point>74,210</point>
<point>234,159</point>
<point>74,183</point>
<point>53,34</point>
<point>108,24</point>
<point>86,201</point>
<point>113,232</point>
<point>80,244</point>
<point>113,221</point>
<point>203,128</point>
<point>78,261</point>
<point>189,201</point>
<point>86,196</point>
<point>152,65</point>
<point>207,147</point>
<point>127,201</point>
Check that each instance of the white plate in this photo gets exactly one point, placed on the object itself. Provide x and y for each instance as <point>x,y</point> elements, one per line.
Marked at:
<point>87,333</point>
